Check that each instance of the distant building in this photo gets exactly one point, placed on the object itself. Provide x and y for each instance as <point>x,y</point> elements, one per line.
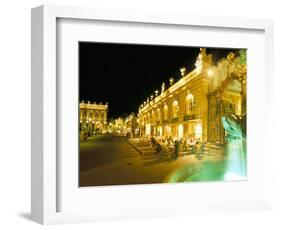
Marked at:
<point>193,106</point>
<point>131,125</point>
<point>117,126</point>
<point>93,116</point>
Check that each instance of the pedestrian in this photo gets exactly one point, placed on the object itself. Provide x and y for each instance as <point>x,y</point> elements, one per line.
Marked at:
<point>176,149</point>
<point>153,141</point>
<point>163,146</point>
<point>180,146</point>
<point>184,147</point>
<point>158,148</point>
<point>200,151</point>
<point>128,135</point>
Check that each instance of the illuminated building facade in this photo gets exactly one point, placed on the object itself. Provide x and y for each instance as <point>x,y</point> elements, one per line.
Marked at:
<point>192,107</point>
<point>131,125</point>
<point>93,116</point>
<point>117,126</point>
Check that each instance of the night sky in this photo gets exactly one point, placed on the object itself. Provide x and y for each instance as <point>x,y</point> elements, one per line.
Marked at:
<point>124,75</point>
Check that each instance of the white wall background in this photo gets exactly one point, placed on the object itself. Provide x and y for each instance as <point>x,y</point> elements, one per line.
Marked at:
<point>15,113</point>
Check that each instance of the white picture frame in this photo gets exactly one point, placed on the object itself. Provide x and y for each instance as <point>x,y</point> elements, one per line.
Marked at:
<point>45,90</point>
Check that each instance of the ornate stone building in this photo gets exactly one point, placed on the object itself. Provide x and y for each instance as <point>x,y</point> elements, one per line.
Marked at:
<point>192,107</point>
<point>131,125</point>
<point>93,116</point>
<point>228,94</point>
<point>117,126</point>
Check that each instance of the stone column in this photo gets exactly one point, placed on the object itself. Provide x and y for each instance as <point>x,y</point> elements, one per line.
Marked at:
<point>204,108</point>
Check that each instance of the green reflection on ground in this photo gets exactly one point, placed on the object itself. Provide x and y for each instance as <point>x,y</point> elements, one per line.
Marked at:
<point>231,169</point>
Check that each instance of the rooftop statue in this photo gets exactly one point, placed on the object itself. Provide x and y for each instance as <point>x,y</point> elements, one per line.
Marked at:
<point>203,60</point>
<point>163,87</point>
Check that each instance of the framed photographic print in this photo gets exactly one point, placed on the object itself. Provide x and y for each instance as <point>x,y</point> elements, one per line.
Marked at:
<point>148,114</point>
<point>190,128</point>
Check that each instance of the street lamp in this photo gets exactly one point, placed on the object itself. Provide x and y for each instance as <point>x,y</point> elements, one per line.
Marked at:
<point>210,72</point>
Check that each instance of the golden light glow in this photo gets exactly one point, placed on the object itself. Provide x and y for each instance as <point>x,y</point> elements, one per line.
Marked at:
<point>175,108</point>
<point>165,112</point>
<point>189,96</point>
<point>167,130</point>
<point>180,131</point>
<point>179,106</point>
<point>198,131</point>
<point>175,103</point>
<point>210,72</point>
<point>147,129</point>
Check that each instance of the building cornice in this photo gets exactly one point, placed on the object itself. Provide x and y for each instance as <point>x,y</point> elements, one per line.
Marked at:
<point>171,90</point>
<point>93,106</point>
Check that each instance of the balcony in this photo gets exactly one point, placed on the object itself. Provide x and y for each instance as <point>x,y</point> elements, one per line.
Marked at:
<point>175,119</point>
<point>189,117</point>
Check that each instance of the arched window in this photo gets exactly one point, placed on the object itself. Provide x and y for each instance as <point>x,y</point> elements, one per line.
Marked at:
<point>189,104</point>
<point>102,115</point>
<point>228,107</point>
<point>91,114</point>
<point>153,116</point>
<point>158,117</point>
<point>96,115</point>
<point>175,109</point>
<point>148,118</point>
<point>84,112</point>
<point>165,112</point>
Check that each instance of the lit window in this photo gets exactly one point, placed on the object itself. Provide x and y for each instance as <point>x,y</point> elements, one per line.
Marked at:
<point>189,104</point>
<point>175,109</point>
<point>158,115</point>
<point>153,116</point>
<point>165,113</point>
<point>198,131</point>
<point>148,118</point>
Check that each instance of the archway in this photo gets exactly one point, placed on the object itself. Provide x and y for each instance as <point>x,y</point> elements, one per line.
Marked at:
<point>229,98</point>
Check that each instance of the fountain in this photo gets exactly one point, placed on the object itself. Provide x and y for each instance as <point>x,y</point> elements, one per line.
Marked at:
<point>233,168</point>
<point>236,168</point>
